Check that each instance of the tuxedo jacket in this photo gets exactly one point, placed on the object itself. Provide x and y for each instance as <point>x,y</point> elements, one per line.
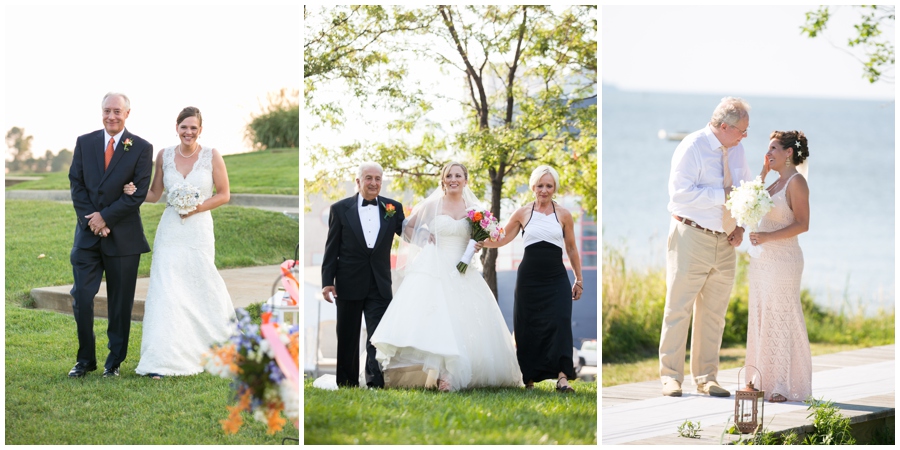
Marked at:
<point>95,189</point>
<point>349,265</point>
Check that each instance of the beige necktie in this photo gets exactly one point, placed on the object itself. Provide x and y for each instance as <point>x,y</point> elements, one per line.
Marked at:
<point>728,222</point>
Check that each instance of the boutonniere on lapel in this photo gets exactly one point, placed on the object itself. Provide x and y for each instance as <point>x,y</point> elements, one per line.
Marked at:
<point>389,210</point>
<point>127,143</point>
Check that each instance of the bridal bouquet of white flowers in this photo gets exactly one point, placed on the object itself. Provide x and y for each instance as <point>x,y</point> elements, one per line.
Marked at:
<point>748,204</point>
<point>184,197</point>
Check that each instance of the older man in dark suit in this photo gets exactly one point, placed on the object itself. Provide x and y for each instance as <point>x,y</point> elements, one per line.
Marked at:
<point>109,234</point>
<point>357,265</point>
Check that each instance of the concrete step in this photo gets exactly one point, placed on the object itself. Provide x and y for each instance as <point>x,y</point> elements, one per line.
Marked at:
<point>245,285</point>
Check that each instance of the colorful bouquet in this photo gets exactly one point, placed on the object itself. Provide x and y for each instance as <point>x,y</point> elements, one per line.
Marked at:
<point>264,362</point>
<point>184,197</point>
<point>484,226</point>
<point>748,204</point>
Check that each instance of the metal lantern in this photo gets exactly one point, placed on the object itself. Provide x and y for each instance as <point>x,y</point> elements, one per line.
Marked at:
<point>749,404</point>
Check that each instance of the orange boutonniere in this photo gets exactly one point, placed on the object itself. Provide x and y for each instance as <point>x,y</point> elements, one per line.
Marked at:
<point>127,144</point>
<point>389,210</point>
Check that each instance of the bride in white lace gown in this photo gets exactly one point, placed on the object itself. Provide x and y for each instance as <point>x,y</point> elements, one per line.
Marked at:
<point>443,327</point>
<point>188,307</point>
<point>777,343</point>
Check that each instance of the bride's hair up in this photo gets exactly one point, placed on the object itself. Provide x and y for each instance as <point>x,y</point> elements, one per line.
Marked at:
<point>190,111</point>
<point>446,170</point>
<point>795,140</point>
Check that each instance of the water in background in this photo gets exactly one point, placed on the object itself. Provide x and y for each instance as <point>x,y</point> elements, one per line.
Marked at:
<point>849,248</point>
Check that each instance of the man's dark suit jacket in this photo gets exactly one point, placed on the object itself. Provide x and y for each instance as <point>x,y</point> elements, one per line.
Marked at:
<point>95,189</point>
<point>349,265</point>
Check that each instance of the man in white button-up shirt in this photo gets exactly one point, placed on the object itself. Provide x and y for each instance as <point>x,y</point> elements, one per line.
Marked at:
<point>700,259</point>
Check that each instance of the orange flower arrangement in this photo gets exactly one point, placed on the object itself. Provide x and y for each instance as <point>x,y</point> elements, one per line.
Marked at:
<point>389,210</point>
<point>262,388</point>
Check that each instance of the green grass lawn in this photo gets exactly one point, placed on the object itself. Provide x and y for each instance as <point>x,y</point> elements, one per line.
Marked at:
<point>244,237</point>
<point>273,171</point>
<point>478,416</point>
<point>44,406</point>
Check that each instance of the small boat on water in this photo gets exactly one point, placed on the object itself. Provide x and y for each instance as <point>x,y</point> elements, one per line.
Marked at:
<point>673,136</point>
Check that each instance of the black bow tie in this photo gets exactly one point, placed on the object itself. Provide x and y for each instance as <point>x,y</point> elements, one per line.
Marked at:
<point>370,202</point>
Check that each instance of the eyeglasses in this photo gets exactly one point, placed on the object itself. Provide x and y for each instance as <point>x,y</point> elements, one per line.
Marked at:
<point>743,132</point>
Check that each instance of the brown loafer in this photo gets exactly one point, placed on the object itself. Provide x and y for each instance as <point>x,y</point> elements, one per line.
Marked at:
<point>713,389</point>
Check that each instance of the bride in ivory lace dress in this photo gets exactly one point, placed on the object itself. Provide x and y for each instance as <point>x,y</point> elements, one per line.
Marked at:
<point>188,307</point>
<point>444,328</point>
<point>777,342</point>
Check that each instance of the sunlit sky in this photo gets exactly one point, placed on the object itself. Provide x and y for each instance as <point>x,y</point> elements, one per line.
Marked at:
<point>224,59</point>
<point>740,50</point>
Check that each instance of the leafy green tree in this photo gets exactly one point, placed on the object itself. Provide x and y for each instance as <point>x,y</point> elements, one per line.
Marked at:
<point>354,45</point>
<point>876,46</point>
<point>19,148</point>
<point>546,67</point>
<point>530,76</point>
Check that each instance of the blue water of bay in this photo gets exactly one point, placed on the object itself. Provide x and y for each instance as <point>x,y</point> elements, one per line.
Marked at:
<point>849,248</point>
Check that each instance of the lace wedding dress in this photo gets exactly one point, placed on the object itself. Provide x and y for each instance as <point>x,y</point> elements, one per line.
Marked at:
<point>445,325</point>
<point>188,307</point>
<point>777,343</point>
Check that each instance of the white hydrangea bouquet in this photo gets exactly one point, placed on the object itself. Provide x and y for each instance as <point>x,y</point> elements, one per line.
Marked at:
<point>184,197</point>
<point>748,204</point>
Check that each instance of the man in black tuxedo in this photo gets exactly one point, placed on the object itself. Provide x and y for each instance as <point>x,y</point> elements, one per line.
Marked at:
<point>109,235</point>
<point>357,265</point>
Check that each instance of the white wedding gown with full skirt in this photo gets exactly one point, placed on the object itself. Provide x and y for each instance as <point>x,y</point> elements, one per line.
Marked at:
<point>188,307</point>
<point>444,324</point>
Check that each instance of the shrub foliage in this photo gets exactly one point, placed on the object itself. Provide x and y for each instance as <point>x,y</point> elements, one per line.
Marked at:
<point>278,126</point>
<point>634,301</point>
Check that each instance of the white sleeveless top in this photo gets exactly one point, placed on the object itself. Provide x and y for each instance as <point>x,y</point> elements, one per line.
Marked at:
<point>543,228</point>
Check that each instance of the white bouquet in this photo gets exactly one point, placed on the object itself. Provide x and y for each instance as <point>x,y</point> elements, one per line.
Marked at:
<point>748,204</point>
<point>184,197</point>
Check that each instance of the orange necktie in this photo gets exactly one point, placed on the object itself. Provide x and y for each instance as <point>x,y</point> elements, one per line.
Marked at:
<point>109,153</point>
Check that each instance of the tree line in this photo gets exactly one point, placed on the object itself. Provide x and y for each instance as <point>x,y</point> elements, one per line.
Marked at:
<point>277,125</point>
<point>23,161</point>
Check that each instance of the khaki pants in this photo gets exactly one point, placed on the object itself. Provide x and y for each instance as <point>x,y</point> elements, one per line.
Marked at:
<point>700,271</point>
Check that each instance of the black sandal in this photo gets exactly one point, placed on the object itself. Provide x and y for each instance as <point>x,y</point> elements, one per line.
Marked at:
<point>155,376</point>
<point>563,389</point>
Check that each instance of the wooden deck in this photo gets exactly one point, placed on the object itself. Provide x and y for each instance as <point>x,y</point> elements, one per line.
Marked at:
<point>860,382</point>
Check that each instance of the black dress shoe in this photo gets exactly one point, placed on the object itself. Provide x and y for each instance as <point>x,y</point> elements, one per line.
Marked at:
<point>81,369</point>
<point>114,372</point>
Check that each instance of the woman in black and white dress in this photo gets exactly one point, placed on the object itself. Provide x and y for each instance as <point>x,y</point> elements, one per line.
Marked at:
<point>542,315</point>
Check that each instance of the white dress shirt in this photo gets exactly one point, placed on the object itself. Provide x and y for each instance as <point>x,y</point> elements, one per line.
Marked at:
<point>116,139</point>
<point>696,179</point>
<point>368,217</point>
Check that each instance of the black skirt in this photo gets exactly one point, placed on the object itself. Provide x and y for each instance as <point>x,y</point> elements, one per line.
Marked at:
<point>542,314</point>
